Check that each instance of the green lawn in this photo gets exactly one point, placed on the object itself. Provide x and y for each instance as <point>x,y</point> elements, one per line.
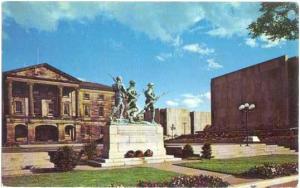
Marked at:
<point>125,177</point>
<point>239,165</point>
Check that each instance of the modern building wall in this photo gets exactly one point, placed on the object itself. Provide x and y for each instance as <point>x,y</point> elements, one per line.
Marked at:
<point>180,118</point>
<point>200,121</point>
<point>182,121</point>
<point>272,86</point>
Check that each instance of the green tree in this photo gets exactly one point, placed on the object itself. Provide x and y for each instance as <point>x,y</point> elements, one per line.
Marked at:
<point>187,151</point>
<point>206,151</point>
<point>279,20</point>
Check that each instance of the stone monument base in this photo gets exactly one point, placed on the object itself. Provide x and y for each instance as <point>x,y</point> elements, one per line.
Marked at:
<point>120,138</point>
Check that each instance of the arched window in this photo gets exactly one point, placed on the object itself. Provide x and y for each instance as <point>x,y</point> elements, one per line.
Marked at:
<point>70,132</point>
<point>21,132</point>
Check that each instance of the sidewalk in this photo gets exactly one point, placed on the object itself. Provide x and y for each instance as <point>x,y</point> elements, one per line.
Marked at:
<point>171,166</point>
<point>190,171</point>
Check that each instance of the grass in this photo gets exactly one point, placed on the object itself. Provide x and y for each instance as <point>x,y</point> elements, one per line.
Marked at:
<point>239,165</point>
<point>94,178</point>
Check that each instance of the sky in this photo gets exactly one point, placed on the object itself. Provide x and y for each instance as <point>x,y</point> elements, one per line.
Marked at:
<point>178,46</point>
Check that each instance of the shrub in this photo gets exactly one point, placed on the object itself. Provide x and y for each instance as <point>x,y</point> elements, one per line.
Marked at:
<point>139,153</point>
<point>269,170</point>
<point>187,151</point>
<point>129,154</point>
<point>64,159</point>
<point>148,153</point>
<point>188,181</point>
<point>206,151</point>
<point>90,149</point>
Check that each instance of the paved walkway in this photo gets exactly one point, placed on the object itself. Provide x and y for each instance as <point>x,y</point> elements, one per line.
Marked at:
<point>190,171</point>
<point>168,166</point>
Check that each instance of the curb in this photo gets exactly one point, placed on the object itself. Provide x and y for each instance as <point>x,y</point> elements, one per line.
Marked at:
<point>270,182</point>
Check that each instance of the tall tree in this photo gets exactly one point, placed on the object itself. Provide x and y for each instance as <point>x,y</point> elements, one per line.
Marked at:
<point>279,20</point>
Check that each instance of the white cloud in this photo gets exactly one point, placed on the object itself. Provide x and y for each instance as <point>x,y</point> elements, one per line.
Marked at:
<point>196,48</point>
<point>172,103</point>
<point>269,43</point>
<point>159,58</point>
<point>82,79</point>
<point>213,65</point>
<point>45,16</point>
<point>228,19</point>
<point>164,21</point>
<point>264,42</point>
<point>206,95</point>
<point>251,42</point>
<point>192,101</point>
<point>163,56</point>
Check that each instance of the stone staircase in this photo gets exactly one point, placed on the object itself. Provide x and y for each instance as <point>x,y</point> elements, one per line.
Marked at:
<point>225,151</point>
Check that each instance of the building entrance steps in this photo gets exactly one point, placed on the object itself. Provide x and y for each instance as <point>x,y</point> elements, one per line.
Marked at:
<point>224,151</point>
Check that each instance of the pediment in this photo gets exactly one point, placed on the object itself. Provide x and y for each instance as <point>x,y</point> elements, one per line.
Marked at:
<point>42,71</point>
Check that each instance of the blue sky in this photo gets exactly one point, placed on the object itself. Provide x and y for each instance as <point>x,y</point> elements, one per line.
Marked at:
<point>177,46</point>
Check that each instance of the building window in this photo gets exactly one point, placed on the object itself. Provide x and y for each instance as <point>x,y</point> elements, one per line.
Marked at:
<point>86,110</point>
<point>19,107</point>
<point>101,111</point>
<point>66,109</point>
<point>101,97</point>
<point>65,93</point>
<point>50,108</point>
<point>86,96</point>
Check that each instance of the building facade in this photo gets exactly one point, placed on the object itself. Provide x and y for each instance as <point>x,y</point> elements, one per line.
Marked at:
<point>200,121</point>
<point>272,86</point>
<point>177,122</point>
<point>42,104</point>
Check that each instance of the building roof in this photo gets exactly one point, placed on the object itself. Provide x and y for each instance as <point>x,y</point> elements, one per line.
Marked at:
<point>82,84</point>
<point>91,85</point>
<point>281,58</point>
<point>43,65</point>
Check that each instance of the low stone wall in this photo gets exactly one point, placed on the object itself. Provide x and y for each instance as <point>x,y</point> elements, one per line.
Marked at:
<point>224,151</point>
<point>18,161</point>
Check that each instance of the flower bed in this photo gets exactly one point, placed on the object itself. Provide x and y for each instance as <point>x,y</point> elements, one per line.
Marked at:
<point>269,170</point>
<point>188,181</point>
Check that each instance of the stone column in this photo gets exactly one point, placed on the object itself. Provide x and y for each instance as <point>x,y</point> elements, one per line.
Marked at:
<point>61,132</point>
<point>77,102</point>
<point>10,133</point>
<point>60,102</point>
<point>31,133</point>
<point>31,100</point>
<point>78,133</point>
<point>9,95</point>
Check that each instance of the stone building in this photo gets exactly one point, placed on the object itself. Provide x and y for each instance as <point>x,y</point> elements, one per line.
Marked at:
<point>42,104</point>
<point>272,86</point>
<point>200,121</point>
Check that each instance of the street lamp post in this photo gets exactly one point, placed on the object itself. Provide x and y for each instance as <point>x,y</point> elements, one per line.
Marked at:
<point>172,129</point>
<point>246,108</point>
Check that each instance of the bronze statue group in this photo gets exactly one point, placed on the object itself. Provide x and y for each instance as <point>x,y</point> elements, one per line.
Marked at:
<point>126,99</point>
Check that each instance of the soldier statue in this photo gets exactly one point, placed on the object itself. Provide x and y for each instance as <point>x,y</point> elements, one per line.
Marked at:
<point>120,94</point>
<point>131,101</point>
<point>150,100</point>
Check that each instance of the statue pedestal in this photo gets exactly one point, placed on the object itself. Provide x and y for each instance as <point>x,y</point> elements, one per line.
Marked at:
<point>120,138</point>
